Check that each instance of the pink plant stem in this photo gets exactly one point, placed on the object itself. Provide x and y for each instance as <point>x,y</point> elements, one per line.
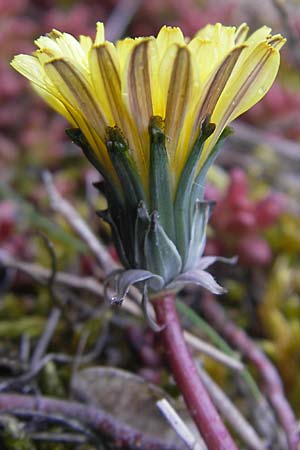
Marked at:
<point>273,384</point>
<point>186,376</point>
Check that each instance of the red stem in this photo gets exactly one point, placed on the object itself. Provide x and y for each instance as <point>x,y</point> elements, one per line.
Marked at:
<point>186,376</point>
<point>273,384</point>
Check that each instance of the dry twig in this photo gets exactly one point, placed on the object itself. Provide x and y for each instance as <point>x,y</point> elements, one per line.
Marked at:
<point>120,435</point>
<point>94,287</point>
<point>60,205</point>
<point>179,426</point>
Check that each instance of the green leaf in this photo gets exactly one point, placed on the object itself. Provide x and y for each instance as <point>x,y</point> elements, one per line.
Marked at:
<point>160,186</point>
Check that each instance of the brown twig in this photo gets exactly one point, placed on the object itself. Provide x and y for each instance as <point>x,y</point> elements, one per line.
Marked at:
<point>62,438</point>
<point>91,285</point>
<point>179,426</point>
<point>122,436</point>
<point>46,337</point>
<point>41,419</point>
<point>41,274</point>
<point>62,206</point>
<point>27,376</point>
<point>252,135</point>
<point>185,373</point>
<point>215,314</point>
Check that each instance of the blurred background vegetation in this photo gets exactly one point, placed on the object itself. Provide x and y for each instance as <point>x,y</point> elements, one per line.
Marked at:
<point>256,184</point>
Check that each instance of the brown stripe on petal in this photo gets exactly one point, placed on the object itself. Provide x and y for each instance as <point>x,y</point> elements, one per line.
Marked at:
<point>178,96</point>
<point>79,90</point>
<point>218,83</point>
<point>249,81</point>
<point>113,88</point>
<point>139,86</point>
<point>276,41</point>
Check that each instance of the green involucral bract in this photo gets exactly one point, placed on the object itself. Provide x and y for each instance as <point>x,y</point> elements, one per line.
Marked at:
<point>160,236</point>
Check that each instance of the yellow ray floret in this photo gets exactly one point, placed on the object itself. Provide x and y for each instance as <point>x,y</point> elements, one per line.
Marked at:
<point>219,72</point>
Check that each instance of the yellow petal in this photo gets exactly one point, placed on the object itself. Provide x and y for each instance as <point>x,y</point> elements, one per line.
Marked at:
<point>30,68</point>
<point>124,49</point>
<point>218,82</point>
<point>241,33</point>
<point>45,42</point>
<point>204,59</point>
<point>100,37</point>
<point>220,72</point>
<point>259,35</point>
<point>86,44</point>
<point>167,37</point>
<point>256,38</point>
<point>102,69</point>
<point>223,36</point>
<point>247,85</point>
<point>276,41</point>
<point>164,75</point>
<point>55,103</point>
<point>71,49</point>
<point>214,88</point>
<point>107,87</point>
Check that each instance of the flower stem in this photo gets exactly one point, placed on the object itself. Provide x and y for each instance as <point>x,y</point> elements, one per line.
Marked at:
<point>186,376</point>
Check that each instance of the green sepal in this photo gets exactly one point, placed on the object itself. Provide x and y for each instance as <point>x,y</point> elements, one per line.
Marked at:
<point>184,190</point>
<point>124,166</point>
<point>118,241</point>
<point>198,277</point>
<point>202,211</point>
<point>124,279</point>
<point>142,223</point>
<point>76,136</point>
<point>162,257</point>
<point>160,186</point>
<point>199,184</point>
<point>132,188</point>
